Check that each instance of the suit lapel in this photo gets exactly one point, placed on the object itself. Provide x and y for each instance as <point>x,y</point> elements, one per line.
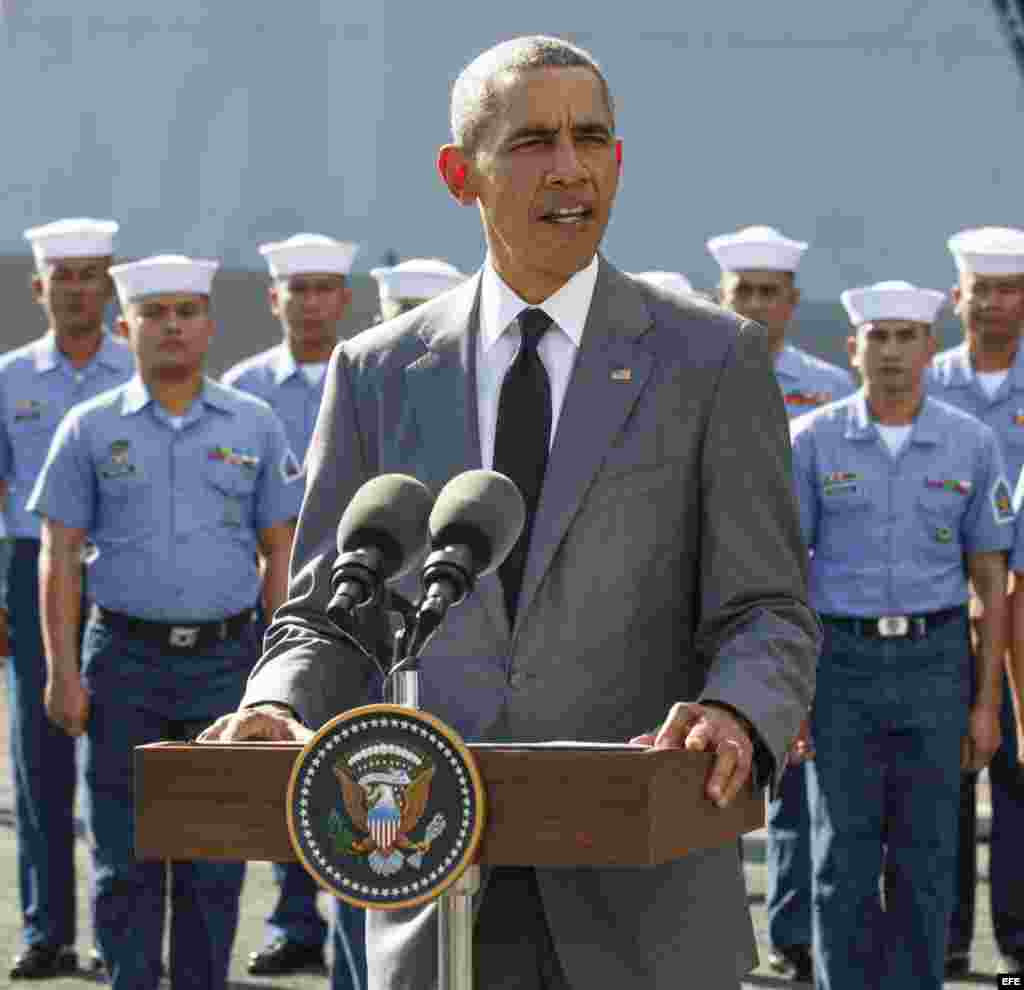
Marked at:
<point>610,373</point>
<point>441,389</point>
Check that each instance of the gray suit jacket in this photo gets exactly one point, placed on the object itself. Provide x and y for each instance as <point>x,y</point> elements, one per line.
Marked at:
<point>666,564</point>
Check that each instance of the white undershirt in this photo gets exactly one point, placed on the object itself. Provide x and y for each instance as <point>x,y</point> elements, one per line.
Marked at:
<point>991,380</point>
<point>497,349</point>
<point>895,436</point>
<point>176,421</point>
<point>314,371</point>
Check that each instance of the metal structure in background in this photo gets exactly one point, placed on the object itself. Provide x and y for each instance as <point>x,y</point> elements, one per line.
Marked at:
<point>1011,17</point>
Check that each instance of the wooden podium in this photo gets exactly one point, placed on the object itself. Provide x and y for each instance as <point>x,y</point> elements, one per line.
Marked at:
<point>552,807</point>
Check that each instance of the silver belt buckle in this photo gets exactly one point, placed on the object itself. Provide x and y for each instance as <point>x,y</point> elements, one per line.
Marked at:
<point>890,626</point>
<point>183,637</point>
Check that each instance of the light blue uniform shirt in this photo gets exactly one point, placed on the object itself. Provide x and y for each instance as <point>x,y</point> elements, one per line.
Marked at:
<point>38,386</point>
<point>889,533</point>
<point>951,378</point>
<point>275,377</point>
<point>174,513</point>
<point>808,382</point>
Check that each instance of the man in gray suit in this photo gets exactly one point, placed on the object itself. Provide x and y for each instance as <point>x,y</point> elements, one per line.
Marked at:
<point>661,579</point>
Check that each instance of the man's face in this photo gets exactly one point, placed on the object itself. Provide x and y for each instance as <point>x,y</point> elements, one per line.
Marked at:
<point>990,306</point>
<point>170,334</point>
<point>768,297</point>
<point>74,293</point>
<point>892,355</point>
<point>310,306</point>
<point>545,176</point>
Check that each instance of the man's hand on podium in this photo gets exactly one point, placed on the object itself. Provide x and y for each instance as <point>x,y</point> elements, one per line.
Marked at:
<point>700,728</point>
<point>268,722</point>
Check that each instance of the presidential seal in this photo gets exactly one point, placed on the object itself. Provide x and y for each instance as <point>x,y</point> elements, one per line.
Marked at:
<point>385,807</point>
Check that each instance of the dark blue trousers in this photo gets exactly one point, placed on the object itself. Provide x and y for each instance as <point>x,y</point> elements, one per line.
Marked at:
<point>142,693</point>
<point>43,768</point>
<point>789,861</point>
<point>295,915</point>
<point>1006,873</point>
<point>888,719</point>
<point>348,939</point>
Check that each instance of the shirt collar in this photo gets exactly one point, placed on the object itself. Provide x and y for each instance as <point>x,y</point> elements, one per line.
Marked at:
<point>788,362</point>
<point>961,371</point>
<point>111,353</point>
<point>136,397</point>
<point>283,364</point>
<point>926,427</point>
<point>568,307</point>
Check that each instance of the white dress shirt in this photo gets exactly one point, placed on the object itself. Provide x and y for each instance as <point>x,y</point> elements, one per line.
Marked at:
<point>499,341</point>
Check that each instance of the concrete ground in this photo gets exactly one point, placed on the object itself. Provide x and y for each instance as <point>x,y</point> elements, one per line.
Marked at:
<point>259,894</point>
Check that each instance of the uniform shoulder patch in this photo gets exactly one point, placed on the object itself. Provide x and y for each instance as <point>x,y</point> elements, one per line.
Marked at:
<point>291,469</point>
<point>1002,501</point>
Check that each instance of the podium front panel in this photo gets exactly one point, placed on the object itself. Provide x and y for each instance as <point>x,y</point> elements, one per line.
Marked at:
<point>546,807</point>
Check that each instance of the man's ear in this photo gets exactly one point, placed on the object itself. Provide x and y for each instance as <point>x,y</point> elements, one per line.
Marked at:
<point>454,168</point>
<point>273,300</point>
<point>121,324</point>
<point>851,348</point>
<point>955,294</point>
<point>36,283</point>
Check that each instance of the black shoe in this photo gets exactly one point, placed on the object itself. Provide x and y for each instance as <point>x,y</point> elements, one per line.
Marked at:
<point>43,962</point>
<point>793,961</point>
<point>957,964</point>
<point>1014,962</point>
<point>282,956</point>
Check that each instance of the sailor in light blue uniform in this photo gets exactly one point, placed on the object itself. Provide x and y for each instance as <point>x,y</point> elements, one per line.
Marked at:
<point>309,295</point>
<point>75,360</point>
<point>183,485</point>
<point>985,377</point>
<point>902,498</point>
<point>759,282</point>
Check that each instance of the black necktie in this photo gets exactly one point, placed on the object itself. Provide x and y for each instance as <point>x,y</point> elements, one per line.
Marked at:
<point>521,439</point>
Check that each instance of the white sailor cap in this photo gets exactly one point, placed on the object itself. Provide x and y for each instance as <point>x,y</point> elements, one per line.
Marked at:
<point>417,278</point>
<point>163,274</point>
<point>892,301</point>
<point>74,237</point>
<point>756,248</point>
<point>307,254</point>
<point>670,281</point>
<point>988,250</point>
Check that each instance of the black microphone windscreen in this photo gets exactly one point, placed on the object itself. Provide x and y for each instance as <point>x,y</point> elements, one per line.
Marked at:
<point>389,512</point>
<point>482,509</point>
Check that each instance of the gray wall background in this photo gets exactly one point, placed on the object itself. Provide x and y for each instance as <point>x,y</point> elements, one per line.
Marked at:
<point>872,130</point>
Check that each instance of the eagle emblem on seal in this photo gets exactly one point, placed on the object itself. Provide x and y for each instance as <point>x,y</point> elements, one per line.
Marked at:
<point>385,789</point>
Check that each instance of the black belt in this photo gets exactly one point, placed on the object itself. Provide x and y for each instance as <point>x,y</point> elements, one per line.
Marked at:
<point>897,626</point>
<point>190,636</point>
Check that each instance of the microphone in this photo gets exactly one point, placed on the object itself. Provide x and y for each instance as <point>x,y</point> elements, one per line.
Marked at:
<point>475,522</point>
<point>381,537</point>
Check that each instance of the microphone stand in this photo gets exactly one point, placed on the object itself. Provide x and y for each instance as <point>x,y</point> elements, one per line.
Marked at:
<point>455,905</point>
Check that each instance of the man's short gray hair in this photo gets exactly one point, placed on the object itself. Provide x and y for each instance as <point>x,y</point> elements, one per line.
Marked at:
<point>475,97</point>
